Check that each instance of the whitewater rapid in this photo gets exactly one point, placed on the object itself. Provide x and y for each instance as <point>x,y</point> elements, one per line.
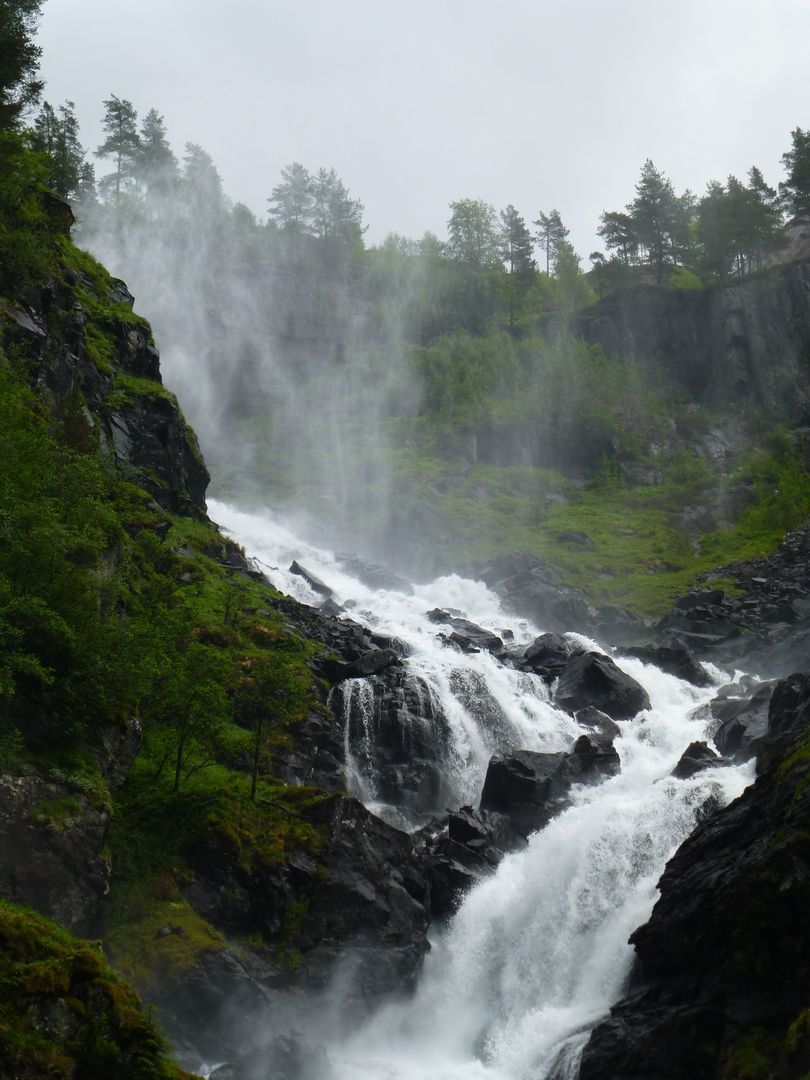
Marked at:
<point>538,952</point>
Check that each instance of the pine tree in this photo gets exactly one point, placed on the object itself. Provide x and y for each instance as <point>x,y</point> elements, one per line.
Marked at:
<point>515,247</point>
<point>19,58</point>
<point>795,190</point>
<point>58,138</point>
<point>618,232</point>
<point>155,165</point>
<point>654,216</point>
<point>202,182</point>
<point>122,142</point>
<point>291,201</point>
<point>333,213</point>
<point>551,233</point>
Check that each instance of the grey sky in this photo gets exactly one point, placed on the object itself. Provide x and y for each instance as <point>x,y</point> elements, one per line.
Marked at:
<point>542,104</point>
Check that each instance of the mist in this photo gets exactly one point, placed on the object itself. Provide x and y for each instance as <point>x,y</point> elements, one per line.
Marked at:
<point>286,353</point>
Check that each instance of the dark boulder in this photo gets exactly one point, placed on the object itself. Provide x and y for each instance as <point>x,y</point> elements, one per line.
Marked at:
<point>467,849</point>
<point>594,720</point>
<point>547,656</point>
<point>372,575</point>
<point>314,582</point>
<point>467,636</point>
<point>743,723</point>
<point>695,758</point>
<point>369,663</point>
<point>676,658</point>
<point>532,588</point>
<point>592,758</point>
<point>594,679</point>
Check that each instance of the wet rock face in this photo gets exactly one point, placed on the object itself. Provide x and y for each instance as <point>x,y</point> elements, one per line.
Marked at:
<point>373,901</point>
<point>51,839</point>
<point>718,344</point>
<point>727,949</point>
<point>397,737</point>
<point>143,429</point>
<point>594,679</point>
<point>743,723</point>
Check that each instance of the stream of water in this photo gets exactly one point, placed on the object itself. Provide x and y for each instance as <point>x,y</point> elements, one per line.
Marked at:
<point>537,952</point>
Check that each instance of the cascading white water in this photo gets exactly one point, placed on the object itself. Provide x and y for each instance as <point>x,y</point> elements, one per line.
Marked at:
<point>538,952</point>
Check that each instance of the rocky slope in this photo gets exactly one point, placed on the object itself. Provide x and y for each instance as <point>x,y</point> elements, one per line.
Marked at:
<point>720,985</point>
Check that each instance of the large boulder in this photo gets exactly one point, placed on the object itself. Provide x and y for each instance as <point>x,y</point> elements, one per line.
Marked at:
<point>743,722</point>
<point>547,656</point>
<point>675,657</point>
<point>594,679</point>
<point>529,788</point>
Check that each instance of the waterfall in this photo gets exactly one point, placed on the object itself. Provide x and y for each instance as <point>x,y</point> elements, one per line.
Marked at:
<point>538,951</point>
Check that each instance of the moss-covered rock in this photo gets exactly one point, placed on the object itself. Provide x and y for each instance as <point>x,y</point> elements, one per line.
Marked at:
<point>64,1014</point>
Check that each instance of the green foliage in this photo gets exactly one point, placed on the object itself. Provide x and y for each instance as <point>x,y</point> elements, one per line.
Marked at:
<point>63,1009</point>
<point>19,59</point>
<point>683,279</point>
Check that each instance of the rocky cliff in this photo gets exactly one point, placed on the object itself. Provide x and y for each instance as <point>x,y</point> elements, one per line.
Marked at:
<point>720,986</point>
<point>744,343</point>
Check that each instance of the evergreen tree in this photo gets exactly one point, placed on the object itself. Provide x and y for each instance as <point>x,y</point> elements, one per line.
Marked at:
<point>19,58</point>
<point>156,165</point>
<point>618,232</point>
<point>202,183</point>
<point>85,197</point>
<point>337,219</point>
<point>291,201</point>
<point>768,232</point>
<point>795,190</point>
<point>654,216</point>
<point>58,138</point>
<point>122,142</point>
<point>550,234</point>
<point>515,249</point>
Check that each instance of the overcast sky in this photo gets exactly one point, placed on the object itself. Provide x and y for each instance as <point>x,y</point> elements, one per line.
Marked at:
<point>415,103</point>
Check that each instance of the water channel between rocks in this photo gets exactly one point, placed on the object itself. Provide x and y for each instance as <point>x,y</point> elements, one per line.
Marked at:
<point>537,952</point>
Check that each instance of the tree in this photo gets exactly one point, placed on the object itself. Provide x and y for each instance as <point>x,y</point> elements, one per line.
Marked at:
<point>292,200</point>
<point>122,142</point>
<point>472,237</point>
<point>795,189</point>
<point>515,249</point>
<point>19,59</point>
<point>155,164</point>
<point>58,138</point>
<point>272,691</point>
<point>550,234</point>
<point>653,212</point>
<point>618,232</point>
<point>334,215</point>
<point>202,183</point>
<point>768,231</point>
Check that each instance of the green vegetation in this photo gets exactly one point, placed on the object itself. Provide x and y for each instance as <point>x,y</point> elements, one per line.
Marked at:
<point>62,1008</point>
